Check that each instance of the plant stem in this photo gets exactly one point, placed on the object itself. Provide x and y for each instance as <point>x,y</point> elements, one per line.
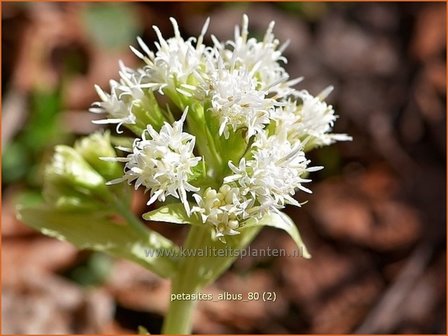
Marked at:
<point>180,313</point>
<point>127,214</point>
<point>186,282</point>
<point>197,271</point>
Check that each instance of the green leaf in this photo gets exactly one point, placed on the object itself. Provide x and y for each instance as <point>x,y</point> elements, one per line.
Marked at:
<point>284,222</point>
<point>172,213</point>
<point>90,231</point>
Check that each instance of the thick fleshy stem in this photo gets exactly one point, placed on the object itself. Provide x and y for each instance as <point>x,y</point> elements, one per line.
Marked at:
<point>180,313</point>
<point>197,271</point>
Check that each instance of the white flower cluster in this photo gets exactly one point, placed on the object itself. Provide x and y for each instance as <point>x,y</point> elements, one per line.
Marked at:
<point>123,96</point>
<point>162,163</point>
<point>238,103</point>
<point>239,85</point>
<point>222,209</point>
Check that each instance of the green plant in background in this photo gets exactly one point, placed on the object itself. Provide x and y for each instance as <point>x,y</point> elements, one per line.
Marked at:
<point>220,142</point>
<point>110,25</point>
<point>20,155</point>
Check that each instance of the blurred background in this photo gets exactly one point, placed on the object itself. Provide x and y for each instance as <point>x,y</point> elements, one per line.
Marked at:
<point>375,223</point>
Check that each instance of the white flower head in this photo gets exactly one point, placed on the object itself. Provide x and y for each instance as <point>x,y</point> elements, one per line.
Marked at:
<point>263,58</point>
<point>316,117</point>
<point>174,62</point>
<point>274,173</point>
<point>309,118</point>
<point>162,162</point>
<point>123,96</point>
<point>238,102</point>
<point>224,209</point>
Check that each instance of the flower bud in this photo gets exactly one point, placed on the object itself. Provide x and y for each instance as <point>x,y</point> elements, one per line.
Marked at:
<point>70,180</point>
<point>95,147</point>
<point>233,224</point>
